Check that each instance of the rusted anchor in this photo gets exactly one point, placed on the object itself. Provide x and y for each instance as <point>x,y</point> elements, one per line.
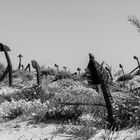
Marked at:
<point>28,67</point>
<point>5,49</point>
<point>36,66</point>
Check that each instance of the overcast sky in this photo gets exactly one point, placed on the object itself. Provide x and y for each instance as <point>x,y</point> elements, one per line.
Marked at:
<point>65,31</point>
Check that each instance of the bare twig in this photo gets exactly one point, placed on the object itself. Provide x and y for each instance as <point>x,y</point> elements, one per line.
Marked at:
<point>135,21</point>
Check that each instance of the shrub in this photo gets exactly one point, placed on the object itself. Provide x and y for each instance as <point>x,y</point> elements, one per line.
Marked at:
<point>78,94</point>
<point>26,93</point>
<point>13,109</point>
<point>10,110</point>
<point>125,77</point>
<point>84,130</point>
<point>38,111</point>
<point>31,93</point>
<point>48,71</point>
<point>128,112</point>
<point>69,91</point>
<point>63,75</point>
<point>25,75</point>
<point>62,90</point>
<point>61,85</point>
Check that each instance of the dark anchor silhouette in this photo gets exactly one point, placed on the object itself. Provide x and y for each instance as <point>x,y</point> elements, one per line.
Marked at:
<point>137,59</point>
<point>134,69</point>
<point>65,68</point>
<point>20,56</point>
<point>78,69</point>
<point>36,66</point>
<point>5,49</point>
<point>28,67</point>
<point>100,76</point>
<point>57,67</point>
<point>22,67</point>
<point>121,68</point>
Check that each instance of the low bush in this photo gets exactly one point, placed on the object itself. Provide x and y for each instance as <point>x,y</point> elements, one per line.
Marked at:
<point>25,75</point>
<point>55,93</point>
<point>13,109</point>
<point>84,130</point>
<point>125,77</point>
<point>72,95</point>
<point>48,71</point>
<point>128,111</point>
<point>63,75</point>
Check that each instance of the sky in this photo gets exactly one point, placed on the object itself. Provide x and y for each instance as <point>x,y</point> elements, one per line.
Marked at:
<point>65,31</point>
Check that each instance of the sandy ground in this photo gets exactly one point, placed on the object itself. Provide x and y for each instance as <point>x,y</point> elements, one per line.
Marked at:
<point>19,129</point>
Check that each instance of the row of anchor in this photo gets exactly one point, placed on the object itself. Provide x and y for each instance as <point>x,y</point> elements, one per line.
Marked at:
<point>35,65</point>
<point>9,70</point>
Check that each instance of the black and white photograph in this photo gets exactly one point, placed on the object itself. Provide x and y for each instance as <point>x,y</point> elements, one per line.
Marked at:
<point>69,70</point>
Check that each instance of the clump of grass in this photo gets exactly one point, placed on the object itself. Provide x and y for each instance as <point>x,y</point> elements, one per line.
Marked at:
<point>13,109</point>
<point>10,110</point>
<point>84,130</point>
<point>110,135</point>
<point>61,85</point>
<point>27,93</point>
<point>70,91</point>
<point>128,112</point>
<point>38,111</point>
<point>125,77</point>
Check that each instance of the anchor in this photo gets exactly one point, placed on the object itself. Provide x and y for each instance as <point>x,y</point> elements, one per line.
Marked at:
<point>5,49</point>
